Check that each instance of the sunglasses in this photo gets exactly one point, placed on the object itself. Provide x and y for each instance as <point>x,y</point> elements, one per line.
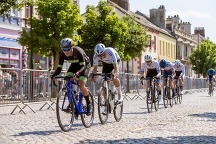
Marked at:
<point>101,55</point>
<point>66,49</point>
<point>147,61</point>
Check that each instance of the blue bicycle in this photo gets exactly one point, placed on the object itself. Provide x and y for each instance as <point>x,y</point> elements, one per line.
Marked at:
<point>70,105</point>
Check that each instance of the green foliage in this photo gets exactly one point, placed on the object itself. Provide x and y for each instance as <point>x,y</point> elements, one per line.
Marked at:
<point>204,57</point>
<point>103,26</point>
<point>6,5</point>
<point>136,40</point>
<point>58,19</point>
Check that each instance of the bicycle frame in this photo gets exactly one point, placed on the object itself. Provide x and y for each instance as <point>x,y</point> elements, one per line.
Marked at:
<point>71,97</point>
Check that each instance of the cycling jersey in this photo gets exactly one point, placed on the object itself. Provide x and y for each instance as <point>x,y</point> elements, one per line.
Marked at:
<point>152,70</point>
<point>180,70</point>
<point>79,61</point>
<point>111,57</point>
<point>154,65</point>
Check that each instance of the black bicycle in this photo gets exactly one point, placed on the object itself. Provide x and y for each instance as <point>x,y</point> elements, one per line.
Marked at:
<point>107,100</point>
<point>167,97</point>
<point>152,97</point>
<point>211,87</point>
<point>178,96</point>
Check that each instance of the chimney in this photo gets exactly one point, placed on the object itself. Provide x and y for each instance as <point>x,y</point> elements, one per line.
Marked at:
<point>122,3</point>
<point>158,16</point>
<point>199,30</point>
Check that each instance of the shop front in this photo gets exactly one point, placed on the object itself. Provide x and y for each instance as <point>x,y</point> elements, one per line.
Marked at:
<point>10,53</point>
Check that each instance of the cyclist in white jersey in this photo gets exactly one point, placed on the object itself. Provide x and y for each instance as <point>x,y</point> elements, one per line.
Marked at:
<point>111,63</point>
<point>168,69</point>
<point>179,72</point>
<point>149,69</point>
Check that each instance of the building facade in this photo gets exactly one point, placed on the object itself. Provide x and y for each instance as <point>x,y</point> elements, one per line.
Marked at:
<point>10,50</point>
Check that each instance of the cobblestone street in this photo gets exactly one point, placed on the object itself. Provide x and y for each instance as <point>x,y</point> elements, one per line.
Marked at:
<point>193,121</point>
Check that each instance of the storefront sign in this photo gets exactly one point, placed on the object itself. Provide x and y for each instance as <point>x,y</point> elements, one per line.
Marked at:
<point>7,42</point>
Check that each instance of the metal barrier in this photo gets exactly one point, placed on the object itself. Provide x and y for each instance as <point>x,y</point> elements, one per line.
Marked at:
<point>23,87</point>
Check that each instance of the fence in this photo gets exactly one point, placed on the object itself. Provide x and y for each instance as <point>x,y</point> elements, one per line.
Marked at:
<point>22,87</point>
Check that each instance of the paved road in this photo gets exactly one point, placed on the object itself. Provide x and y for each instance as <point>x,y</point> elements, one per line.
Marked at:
<point>194,121</point>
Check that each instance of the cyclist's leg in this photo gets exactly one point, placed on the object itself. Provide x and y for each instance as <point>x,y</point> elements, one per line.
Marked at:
<point>158,86</point>
<point>82,82</point>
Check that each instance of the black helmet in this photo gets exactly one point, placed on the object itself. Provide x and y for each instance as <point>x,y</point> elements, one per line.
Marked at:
<point>162,63</point>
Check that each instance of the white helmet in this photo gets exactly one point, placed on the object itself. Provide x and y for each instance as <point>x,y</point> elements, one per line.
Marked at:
<point>148,57</point>
<point>99,49</point>
<point>177,62</point>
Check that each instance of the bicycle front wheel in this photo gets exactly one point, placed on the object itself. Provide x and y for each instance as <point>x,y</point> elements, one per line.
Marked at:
<point>118,110</point>
<point>103,105</point>
<point>87,120</point>
<point>165,97</point>
<point>149,101</point>
<point>64,111</point>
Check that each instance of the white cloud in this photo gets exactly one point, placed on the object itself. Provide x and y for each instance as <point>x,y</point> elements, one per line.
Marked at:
<point>188,14</point>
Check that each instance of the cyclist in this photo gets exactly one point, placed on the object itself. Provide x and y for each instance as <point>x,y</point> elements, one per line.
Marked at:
<point>211,73</point>
<point>79,68</point>
<point>168,69</point>
<point>179,72</point>
<point>111,63</point>
<point>149,69</point>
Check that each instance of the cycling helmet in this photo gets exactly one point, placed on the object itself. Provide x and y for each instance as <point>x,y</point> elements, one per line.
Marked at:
<point>99,49</point>
<point>148,57</point>
<point>211,71</point>
<point>66,42</point>
<point>177,62</point>
<point>162,63</point>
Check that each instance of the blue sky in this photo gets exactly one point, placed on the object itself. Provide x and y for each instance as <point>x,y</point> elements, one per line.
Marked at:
<point>198,13</point>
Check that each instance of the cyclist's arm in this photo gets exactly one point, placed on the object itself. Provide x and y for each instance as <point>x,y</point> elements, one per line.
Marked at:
<point>158,70</point>
<point>183,71</point>
<point>60,64</point>
<point>95,64</point>
<point>114,61</point>
<point>82,62</point>
<point>143,70</point>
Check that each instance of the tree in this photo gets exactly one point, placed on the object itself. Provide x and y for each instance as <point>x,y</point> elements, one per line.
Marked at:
<point>204,57</point>
<point>57,19</point>
<point>6,5</point>
<point>104,26</point>
<point>135,42</point>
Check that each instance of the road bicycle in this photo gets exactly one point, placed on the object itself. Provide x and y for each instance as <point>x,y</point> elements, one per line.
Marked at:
<point>211,87</point>
<point>178,95</point>
<point>107,100</point>
<point>167,97</point>
<point>70,105</point>
<point>152,97</point>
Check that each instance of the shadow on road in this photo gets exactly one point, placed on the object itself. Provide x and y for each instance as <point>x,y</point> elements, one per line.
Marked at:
<point>48,132</point>
<point>161,140</point>
<point>210,116</point>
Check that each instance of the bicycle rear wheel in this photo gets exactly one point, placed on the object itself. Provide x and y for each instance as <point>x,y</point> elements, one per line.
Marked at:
<point>149,101</point>
<point>103,105</point>
<point>64,111</point>
<point>88,120</point>
<point>165,97</point>
<point>155,99</point>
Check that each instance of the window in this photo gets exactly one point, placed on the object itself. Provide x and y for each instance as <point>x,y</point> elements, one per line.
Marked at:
<point>186,49</point>
<point>163,48</point>
<point>160,46</point>
<point>154,43</point>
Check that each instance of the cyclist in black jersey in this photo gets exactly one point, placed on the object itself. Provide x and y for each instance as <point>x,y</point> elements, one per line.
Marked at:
<point>79,68</point>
